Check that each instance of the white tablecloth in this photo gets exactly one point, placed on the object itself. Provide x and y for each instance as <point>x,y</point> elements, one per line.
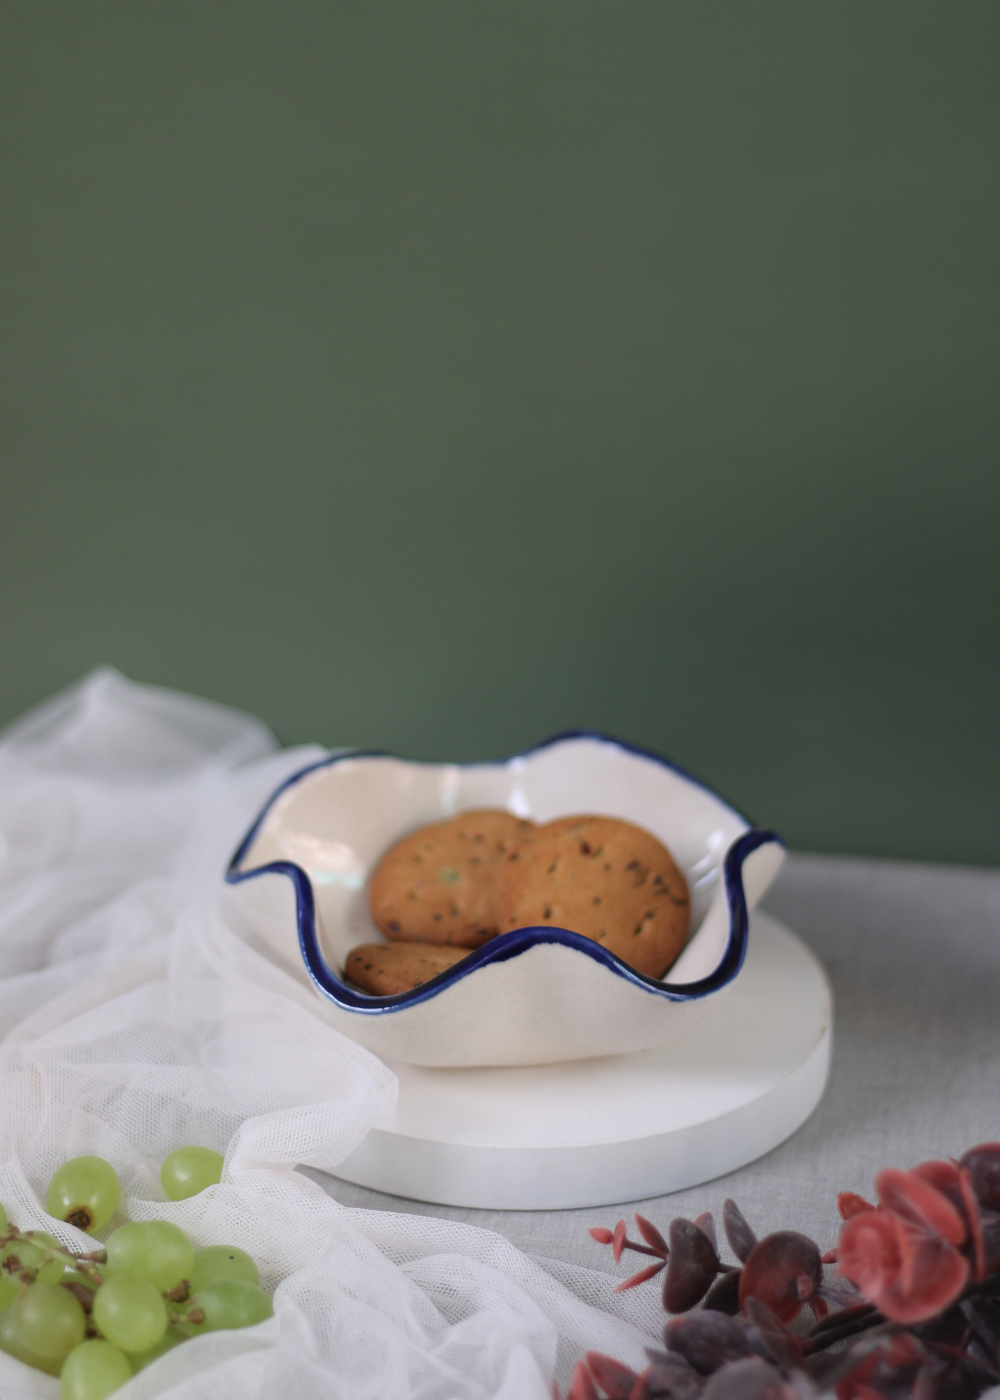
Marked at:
<point>913,954</point>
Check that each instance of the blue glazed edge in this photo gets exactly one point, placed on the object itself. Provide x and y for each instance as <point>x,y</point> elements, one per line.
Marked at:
<point>562,737</point>
<point>507,945</point>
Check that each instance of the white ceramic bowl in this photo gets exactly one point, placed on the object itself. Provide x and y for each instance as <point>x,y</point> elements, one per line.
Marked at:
<point>532,996</point>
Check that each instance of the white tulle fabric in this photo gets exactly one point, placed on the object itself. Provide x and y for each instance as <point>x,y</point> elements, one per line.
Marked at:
<point>136,1016</point>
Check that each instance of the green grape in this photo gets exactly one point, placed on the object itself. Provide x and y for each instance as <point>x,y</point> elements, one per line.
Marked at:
<point>229,1303</point>
<point>218,1261</point>
<point>45,1320</point>
<point>8,1291</point>
<point>84,1191</point>
<point>189,1170</point>
<point>24,1253</point>
<point>93,1371</point>
<point>129,1311</point>
<point>141,1359</point>
<point>10,1344</point>
<point>154,1249</point>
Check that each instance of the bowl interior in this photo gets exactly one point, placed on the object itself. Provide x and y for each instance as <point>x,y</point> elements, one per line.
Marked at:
<point>337,820</point>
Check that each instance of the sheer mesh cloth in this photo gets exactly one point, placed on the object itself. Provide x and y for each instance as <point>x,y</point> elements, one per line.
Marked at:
<point>137,1016</point>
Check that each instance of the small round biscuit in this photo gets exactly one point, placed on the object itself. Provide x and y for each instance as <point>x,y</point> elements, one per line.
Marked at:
<point>604,878</point>
<point>387,968</point>
<point>437,884</point>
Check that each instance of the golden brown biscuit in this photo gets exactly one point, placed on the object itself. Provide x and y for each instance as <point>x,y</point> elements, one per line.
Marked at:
<point>437,884</point>
<point>606,879</point>
<point>387,968</point>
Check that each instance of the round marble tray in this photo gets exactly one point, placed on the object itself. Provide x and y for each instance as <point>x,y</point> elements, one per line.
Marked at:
<point>624,1127</point>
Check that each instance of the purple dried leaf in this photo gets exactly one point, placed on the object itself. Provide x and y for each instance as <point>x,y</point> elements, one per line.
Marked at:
<point>724,1294</point>
<point>618,1241</point>
<point>950,1327</point>
<point>851,1360</point>
<point>780,1345</point>
<point>983,1163</point>
<point>651,1235</point>
<point>741,1238</point>
<point>784,1270</point>
<point>983,1358</point>
<point>843,1326</point>
<point>616,1380</point>
<point>888,1369</point>
<point>665,1358</point>
<point>985,1321</point>
<point>674,1375</point>
<point>706,1223</point>
<point>691,1268</point>
<point>674,1361</point>
<point>649,1387</point>
<point>854,1306</point>
<point>990,1229</point>
<point>801,1386</point>
<point>752,1379</point>
<point>601,1234</point>
<point>707,1340</point>
<point>924,1387</point>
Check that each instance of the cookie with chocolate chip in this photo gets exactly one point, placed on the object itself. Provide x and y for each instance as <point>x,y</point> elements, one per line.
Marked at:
<point>601,877</point>
<point>384,969</point>
<point>437,885</point>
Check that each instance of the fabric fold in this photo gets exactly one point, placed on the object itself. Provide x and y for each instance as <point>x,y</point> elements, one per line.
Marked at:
<point>137,1015</point>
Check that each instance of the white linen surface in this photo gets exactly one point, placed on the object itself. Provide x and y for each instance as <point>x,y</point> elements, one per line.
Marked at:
<point>136,1017</point>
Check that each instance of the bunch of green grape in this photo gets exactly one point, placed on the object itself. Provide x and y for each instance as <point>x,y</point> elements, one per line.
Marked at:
<point>95,1319</point>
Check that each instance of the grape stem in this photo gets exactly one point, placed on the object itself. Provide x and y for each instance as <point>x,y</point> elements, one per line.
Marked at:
<point>82,1293</point>
<point>86,1262</point>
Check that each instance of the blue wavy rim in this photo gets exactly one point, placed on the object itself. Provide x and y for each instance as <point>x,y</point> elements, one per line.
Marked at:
<point>507,945</point>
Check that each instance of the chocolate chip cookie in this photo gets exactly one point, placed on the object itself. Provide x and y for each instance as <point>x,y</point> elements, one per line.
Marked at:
<point>437,885</point>
<point>387,968</point>
<point>604,878</point>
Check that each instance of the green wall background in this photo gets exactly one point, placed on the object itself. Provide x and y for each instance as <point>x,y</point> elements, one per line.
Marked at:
<point>436,376</point>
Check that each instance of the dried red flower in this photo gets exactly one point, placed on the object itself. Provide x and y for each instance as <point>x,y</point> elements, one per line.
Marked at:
<point>915,1200</point>
<point>908,1273</point>
<point>921,1313</point>
<point>955,1182</point>
<point>849,1203</point>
